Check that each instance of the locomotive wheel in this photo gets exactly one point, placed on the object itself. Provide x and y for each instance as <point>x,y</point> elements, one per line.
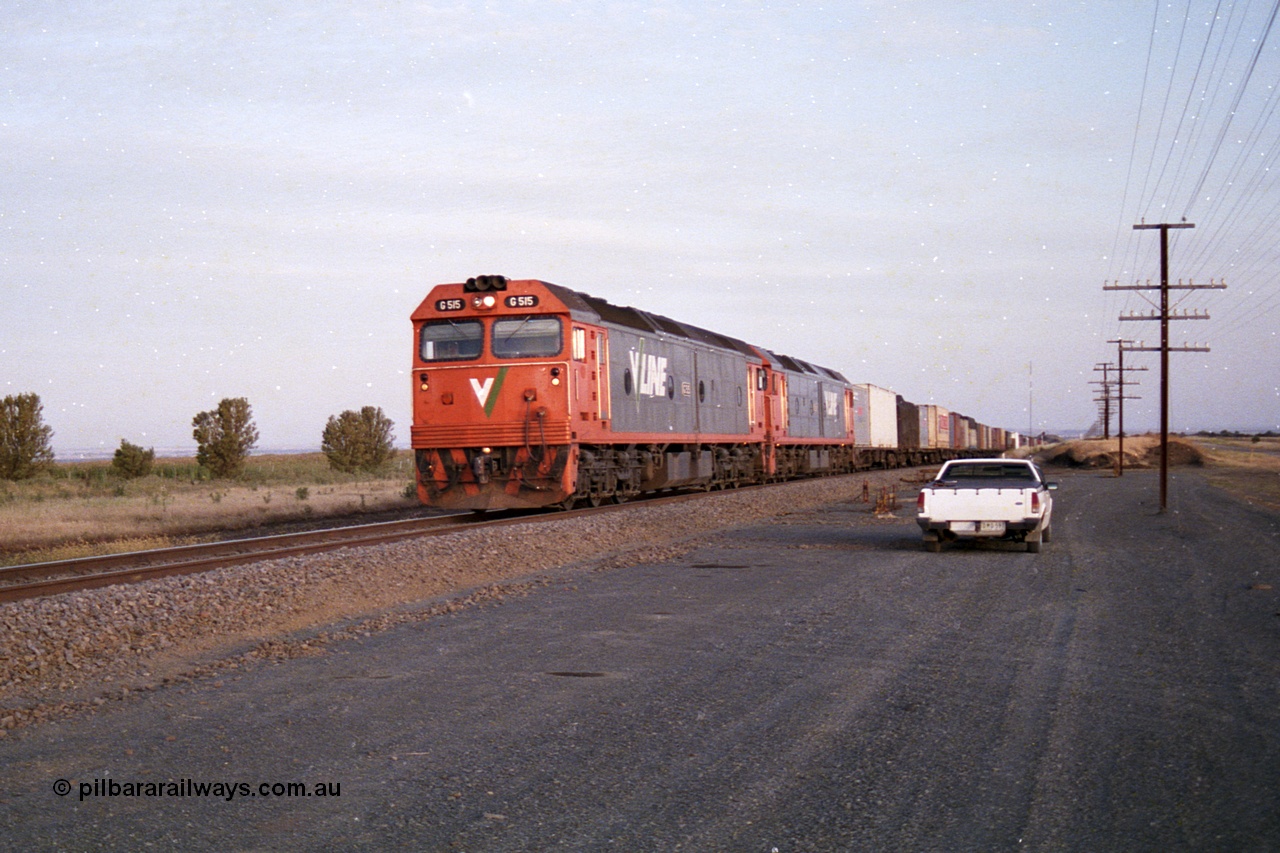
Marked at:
<point>619,498</point>
<point>566,504</point>
<point>595,499</point>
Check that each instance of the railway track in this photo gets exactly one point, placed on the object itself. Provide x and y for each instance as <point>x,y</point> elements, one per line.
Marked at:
<point>38,579</point>
<point>34,580</point>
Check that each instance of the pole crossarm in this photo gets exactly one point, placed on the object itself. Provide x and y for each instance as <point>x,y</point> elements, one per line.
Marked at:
<point>1163,226</point>
<point>1168,349</point>
<point>1173,315</point>
<point>1191,285</point>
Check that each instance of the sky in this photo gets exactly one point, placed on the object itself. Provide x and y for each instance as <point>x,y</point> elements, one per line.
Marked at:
<point>203,200</point>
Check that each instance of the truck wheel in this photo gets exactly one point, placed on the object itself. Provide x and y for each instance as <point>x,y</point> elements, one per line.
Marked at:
<point>1045,534</point>
<point>1033,545</point>
<point>933,544</point>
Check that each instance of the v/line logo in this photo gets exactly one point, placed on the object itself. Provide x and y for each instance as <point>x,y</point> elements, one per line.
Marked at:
<point>650,372</point>
<point>487,391</point>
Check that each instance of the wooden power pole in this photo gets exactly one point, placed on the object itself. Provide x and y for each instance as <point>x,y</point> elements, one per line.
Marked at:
<point>1120,398</point>
<point>1164,316</point>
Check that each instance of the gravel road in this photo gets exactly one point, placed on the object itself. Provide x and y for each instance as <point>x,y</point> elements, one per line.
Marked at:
<point>810,682</point>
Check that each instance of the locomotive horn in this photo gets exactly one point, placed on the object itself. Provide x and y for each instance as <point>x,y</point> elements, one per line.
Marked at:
<point>481,283</point>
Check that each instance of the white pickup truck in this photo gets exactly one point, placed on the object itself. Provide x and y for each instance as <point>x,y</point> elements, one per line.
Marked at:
<point>986,499</point>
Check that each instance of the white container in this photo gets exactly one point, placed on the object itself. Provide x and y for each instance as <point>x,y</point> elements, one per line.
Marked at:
<point>875,416</point>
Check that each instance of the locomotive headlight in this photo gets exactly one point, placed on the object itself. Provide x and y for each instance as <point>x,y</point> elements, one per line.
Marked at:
<point>485,302</point>
<point>555,376</point>
<point>422,379</point>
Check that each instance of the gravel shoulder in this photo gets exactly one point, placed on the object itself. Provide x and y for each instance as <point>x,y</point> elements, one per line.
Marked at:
<point>72,653</point>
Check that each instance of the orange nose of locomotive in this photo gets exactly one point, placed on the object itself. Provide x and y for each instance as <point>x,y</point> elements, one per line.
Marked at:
<point>491,426</point>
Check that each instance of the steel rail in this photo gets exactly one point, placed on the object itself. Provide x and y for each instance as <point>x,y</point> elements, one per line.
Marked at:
<point>134,566</point>
<point>52,578</point>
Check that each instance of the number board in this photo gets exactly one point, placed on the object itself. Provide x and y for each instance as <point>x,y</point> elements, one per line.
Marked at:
<point>450,304</point>
<point>527,301</point>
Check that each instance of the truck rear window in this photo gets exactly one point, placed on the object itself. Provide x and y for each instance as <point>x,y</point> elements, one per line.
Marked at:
<point>989,472</point>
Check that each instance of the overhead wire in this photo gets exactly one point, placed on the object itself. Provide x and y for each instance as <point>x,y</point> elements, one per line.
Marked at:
<point>1191,174</point>
<point>1113,273</point>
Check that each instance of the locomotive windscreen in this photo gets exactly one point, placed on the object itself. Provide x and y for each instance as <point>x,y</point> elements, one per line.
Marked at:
<point>527,337</point>
<point>452,340</point>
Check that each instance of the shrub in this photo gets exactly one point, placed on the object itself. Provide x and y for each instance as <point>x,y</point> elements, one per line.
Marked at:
<point>24,438</point>
<point>132,461</point>
<point>224,437</point>
<point>358,441</point>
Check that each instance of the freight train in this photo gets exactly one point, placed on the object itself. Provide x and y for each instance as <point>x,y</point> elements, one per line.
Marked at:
<point>529,394</point>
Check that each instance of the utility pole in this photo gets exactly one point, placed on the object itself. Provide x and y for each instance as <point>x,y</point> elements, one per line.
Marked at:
<point>1031,399</point>
<point>1164,317</point>
<point>1105,399</point>
<point>1120,398</point>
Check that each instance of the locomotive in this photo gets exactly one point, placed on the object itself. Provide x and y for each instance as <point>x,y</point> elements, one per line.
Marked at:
<point>528,394</point>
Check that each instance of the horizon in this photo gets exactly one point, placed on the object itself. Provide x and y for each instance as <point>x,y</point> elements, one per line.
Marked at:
<point>96,454</point>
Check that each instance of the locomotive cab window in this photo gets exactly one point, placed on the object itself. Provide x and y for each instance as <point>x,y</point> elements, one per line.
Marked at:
<point>451,340</point>
<point>527,337</point>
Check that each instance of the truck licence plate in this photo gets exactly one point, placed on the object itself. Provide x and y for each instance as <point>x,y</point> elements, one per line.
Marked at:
<point>991,527</point>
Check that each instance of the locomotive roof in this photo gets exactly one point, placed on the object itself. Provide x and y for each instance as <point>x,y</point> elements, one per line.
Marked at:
<point>599,309</point>
<point>799,366</point>
<point>644,321</point>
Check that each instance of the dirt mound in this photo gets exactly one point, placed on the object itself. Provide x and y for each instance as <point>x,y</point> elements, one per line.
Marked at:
<point>1140,451</point>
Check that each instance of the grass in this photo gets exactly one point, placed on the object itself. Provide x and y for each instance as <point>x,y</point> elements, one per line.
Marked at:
<point>1246,467</point>
<point>83,509</point>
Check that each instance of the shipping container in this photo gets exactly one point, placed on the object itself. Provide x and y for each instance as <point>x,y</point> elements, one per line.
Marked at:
<point>958,432</point>
<point>875,416</point>
<point>935,426</point>
<point>908,424</point>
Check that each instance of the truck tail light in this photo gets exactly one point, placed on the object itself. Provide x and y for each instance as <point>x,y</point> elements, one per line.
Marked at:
<point>1035,501</point>
<point>920,502</point>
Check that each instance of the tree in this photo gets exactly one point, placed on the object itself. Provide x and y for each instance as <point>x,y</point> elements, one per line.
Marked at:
<point>24,438</point>
<point>224,437</point>
<point>358,441</point>
<point>132,461</point>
